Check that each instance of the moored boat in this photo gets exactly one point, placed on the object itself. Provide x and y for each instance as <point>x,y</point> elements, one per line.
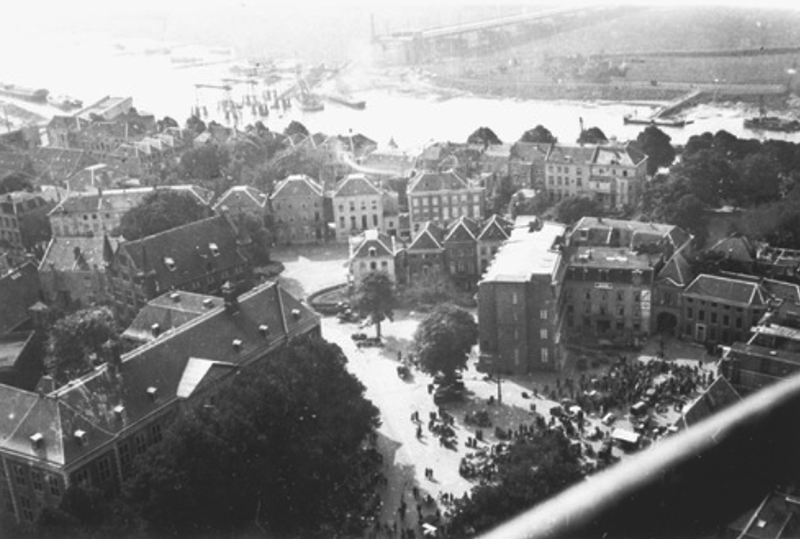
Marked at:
<point>772,123</point>
<point>38,95</point>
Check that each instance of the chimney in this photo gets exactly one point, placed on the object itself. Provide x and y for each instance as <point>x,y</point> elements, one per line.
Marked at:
<point>208,303</point>
<point>155,329</point>
<point>229,295</point>
<point>112,352</point>
<point>264,330</point>
<point>77,252</point>
<point>175,297</point>
<point>37,440</point>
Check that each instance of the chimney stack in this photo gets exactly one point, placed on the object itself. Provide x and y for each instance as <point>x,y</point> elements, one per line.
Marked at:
<point>229,295</point>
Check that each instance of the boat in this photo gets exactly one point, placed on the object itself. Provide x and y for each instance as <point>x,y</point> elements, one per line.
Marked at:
<point>339,99</point>
<point>310,103</point>
<point>38,95</point>
<point>64,102</point>
<point>660,122</point>
<point>772,123</point>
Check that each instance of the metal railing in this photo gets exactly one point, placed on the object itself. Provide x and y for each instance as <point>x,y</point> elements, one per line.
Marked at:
<point>691,484</point>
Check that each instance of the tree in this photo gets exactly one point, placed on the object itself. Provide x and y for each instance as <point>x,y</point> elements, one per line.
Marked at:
<point>15,181</point>
<point>538,134</point>
<point>78,337</point>
<point>534,468</point>
<point>374,297</point>
<point>195,125</point>
<point>161,210</point>
<point>283,445</point>
<point>503,192</point>
<point>709,177</point>
<point>688,213</point>
<point>205,163</point>
<point>758,180</point>
<point>656,145</point>
<point>296,130</point>
<point>444,339</point>
<point>593,135</point>
<point>484,136</point>
<point>573,208</point>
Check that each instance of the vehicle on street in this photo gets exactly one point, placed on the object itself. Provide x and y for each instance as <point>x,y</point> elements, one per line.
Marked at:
<point>369,342</point>
<point>609,419</point>
<point>358,336</point>
<point>403,372</point>
<point>445,394</point>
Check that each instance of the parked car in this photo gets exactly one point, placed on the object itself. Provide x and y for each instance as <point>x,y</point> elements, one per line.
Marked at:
<point>609,419</point>
<point>370,342</point>
<point>358,336</point>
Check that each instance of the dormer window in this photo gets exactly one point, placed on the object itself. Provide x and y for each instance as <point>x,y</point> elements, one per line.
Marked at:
<point>214,249</point>
<point>237,344</point>
<point>373,251</point>
<point>80,436</point>
<point>170,263</point>
<point>263,329</point>
<point>296,314</point>
<point>37,440</point>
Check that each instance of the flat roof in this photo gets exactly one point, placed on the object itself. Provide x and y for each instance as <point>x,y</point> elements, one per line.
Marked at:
<point>526,253</point>
<point>610,257</point>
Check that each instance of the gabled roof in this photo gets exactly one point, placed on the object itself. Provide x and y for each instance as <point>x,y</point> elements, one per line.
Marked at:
<point>372,239</point>
<point>297,185</point>
<point>19,289</point>
<point>242,196</point>
<point>719,395</point>
<point>21,202</point>
<point>495,229</point>
<point>429,238</point>
<point>497,151</point>
<point>530,151</point>
<point>571,154</point>
<point>625,155</point>
<point>677,270</point>
<point>74,253</point>
<point>170,311</point>
<point>103,403</point>
<point>726,289</point>
<point>433,181</point>
<point>462,229</point>
<point>603,231</point>
<point>12,161</point>
<point>355,185</point>
<point>736,248</point>
<point>59,163</point>
<point>121,200</point>
<point>185,253</point>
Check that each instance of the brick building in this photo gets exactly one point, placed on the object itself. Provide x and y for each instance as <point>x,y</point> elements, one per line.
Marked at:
<point>23,220</point>
<point>357,207</point>
<point>371,251</point>
<point>442,198</point>
<point>461,252</point>
<point>89,431</point>
<point>73,271</point>
<point>297,207</point>
<point>518,301</point>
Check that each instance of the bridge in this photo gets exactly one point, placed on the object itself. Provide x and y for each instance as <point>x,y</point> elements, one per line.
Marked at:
<point>486,36</point>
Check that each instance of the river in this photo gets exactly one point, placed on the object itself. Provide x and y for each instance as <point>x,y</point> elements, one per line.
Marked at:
<point>401,105</point>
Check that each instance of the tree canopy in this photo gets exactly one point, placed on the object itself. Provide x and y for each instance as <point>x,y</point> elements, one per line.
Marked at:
<point>593,135</point>
<point>161,210</point>
<point>485,136</point>
<point>571,209</point>
<point>374,297</point>
<point>284,445</point>
<point>205,163</point>
<point>657,146</point>
<point>195,125</point>
<point>15,181</point>
<point>538,134</point>
<point>296,129</point>
<point>444,339</point>
<point>534,468</point>
<point>76,337</point>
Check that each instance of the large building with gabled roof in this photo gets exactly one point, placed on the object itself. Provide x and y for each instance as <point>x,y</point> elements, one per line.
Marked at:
<point>371,251</point>
<point>242,199</point>
<point>196,257</point>
<point>442,197</point>
<point>89,431</point>
<point>297,206</point>
<point>357,206</point>
<point>423,258</point>
<point>461,252</point>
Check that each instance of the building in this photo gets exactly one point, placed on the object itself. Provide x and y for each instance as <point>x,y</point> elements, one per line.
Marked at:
<point>670,283</point>
<point>23,220</point>
<point>442,198</point>
<point>495,159</point>
<point>166,313</point>
<point>19,289</point>
<point>197,257</point>
<point>85,214</point>
<point>357,206</point>
<point>493,234</point>
<point>371,251</point>
<point>526,164</point>
<point>612,174</point>
<point>242,199</point>
<point>297,207</point>
<point>58,165</point>
<point>73,271</point>
<point>718,396</point>
<point>89,431</point>
<point>423,259</point>
<point>108,108</point>
<point>518,301</point>
<point>387,163</point>
<point>461,252</point>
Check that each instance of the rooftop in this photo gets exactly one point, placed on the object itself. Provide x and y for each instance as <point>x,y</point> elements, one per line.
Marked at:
<point>527,252</point>
<point>169,311</point>
<point>610,257</point>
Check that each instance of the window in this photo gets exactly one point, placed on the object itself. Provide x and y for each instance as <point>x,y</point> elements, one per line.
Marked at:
<point>170,263</point>
<point>373,266</point>
<point>620,295</point>
<point>125,456</point>
<point>543,334</point>
<point>36,480</point>
<point>544,355</point>
<point>19,475</point>
<point>54,485</point>
<point>620,311</point>
<point>543,314</point>
<point>27,508</point>
<point>738,323</point>
<point>726,320</point>
<point>104,469</point>
<point>701,315</point>
<point>713,318</point>
<point>81,477</point>
<point>637,296</point>
<point>689,313</point>
<point>385,264</point>
<point>514,298</point>
<point>140,443</point>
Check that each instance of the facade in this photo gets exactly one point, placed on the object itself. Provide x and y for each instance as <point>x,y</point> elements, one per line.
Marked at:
<point>461,252</point>
<point>722,310</point>
<point>23,215</point>
<point>297,207</point>
<point>423,258</point>
<point>242,199</point>
<point>612,174</point>
<point>526,165</point>
<point>73,271</point>
<point>357,207</point>
<point>518,311</point>
<point>371,251</point>
<point>493,234</point>
<point>86,214</point>
<point>442,198</point>
<point>197,257</point>
<point>19,289</point>
<point>387,163</point>
<point>89,431</point>
<point>670,283</point>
